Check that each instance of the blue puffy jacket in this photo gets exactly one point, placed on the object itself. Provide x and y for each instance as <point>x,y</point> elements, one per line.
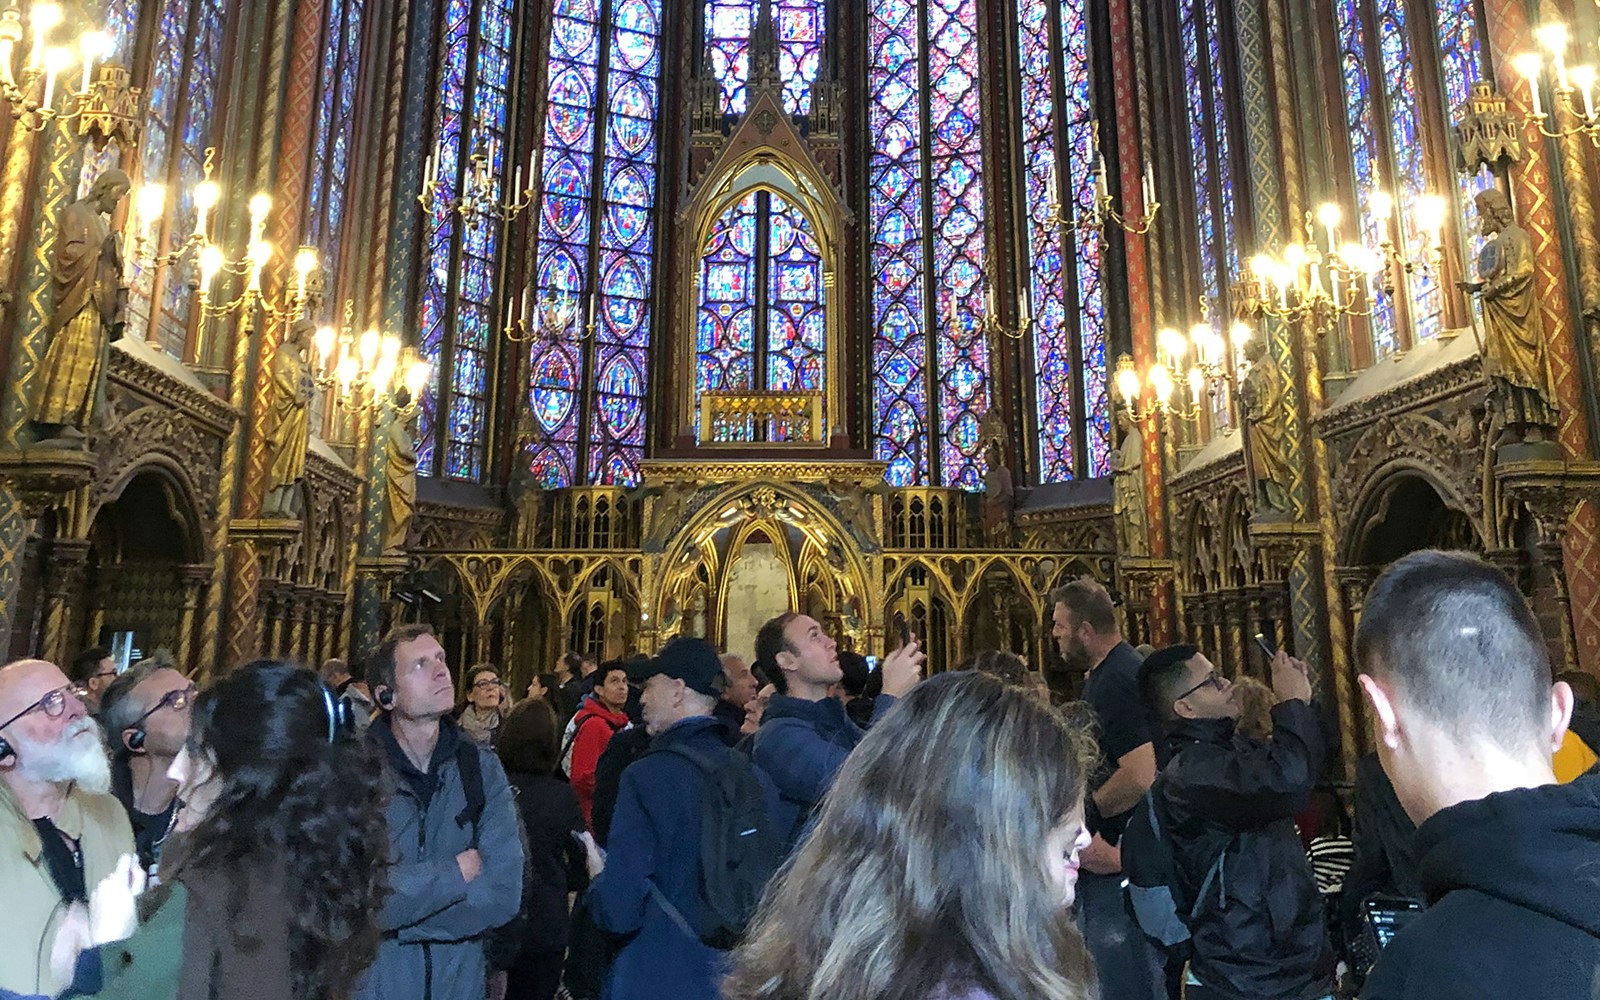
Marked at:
<point>802,745</point>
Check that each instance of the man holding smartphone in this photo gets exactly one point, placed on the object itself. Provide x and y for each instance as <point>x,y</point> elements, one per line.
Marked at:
<point>1226,804</point>
<point>806,735</point>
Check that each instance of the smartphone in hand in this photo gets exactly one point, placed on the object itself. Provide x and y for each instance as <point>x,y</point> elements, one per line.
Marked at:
<point>1267,649</point>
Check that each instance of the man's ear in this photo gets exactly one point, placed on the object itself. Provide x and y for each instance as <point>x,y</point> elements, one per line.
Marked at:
<point>1182,709</point>
<point>1385,722</point>
<point>1561,701</point>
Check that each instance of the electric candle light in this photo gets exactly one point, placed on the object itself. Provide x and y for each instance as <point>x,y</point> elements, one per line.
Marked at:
<point>94,45</point>
<point>42,18</point>
<point>1583,78</point>
<point>1197,384</point>
<point>1554,38</point>
<point>1127,382</point>
<point>55,61</point>
<point>1329,215</point>
<point>368,347</point>
<point>305,261</point>
<point>323,341</point>
<point>418,372</point>
<point>206,196</point>
<point>149,205</point>
<point>210,267</point>
<point>260,254</point>
<point>260,205</point>
<point>1530,65</point>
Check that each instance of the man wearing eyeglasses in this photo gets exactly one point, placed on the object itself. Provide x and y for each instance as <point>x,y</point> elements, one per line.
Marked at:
<point>1226,804</point>
<point>60,832</point>
<point>145,713</point>
<point>94,670</point>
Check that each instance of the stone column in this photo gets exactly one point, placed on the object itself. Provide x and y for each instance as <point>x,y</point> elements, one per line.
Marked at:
<point>192,578</point>
<point>63,586</point>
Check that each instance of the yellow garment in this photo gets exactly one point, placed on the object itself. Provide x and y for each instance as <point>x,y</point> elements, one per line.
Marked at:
<point>1573,759</point>
<point>32,905</point>
<point>71,369</point>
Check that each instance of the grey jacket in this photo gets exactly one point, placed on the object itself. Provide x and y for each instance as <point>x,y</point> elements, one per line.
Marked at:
<point>435,921</point>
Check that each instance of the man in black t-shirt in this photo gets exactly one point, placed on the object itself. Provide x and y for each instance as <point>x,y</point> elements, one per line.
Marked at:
<point>1084,624</point>
<point>145,713</point>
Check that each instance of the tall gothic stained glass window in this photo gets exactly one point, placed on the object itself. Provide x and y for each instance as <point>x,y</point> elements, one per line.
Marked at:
<point>329,169</point>
<point>799,27</point>
<point>596,241</point>
<point>1069,333</point>
<point>930,359</point>
<point>181,90</point>
<point>761,321</point>
<point>459,258</point>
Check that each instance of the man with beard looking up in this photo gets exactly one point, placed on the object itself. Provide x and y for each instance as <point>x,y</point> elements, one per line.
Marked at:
<point>1084,623</point>
<point>61,832</point>
<point>805,735</point>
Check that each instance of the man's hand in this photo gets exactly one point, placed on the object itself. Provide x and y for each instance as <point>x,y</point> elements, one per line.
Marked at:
<point>594,858</point>
<point>902,669</point>
<point>1100,857</point>
<point>1291,678</point>
<point>471,864</point>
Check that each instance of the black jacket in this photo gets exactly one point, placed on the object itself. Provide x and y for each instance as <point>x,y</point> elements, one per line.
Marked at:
<point>1385,842</point>
<point>1259,934</point>
<point>625,747</point>
<point>1513,882</point>
<point>550,816</point>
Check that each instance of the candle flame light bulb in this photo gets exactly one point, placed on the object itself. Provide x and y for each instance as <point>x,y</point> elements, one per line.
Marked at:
<point>1240,334</point>
<point>1197,384</point>
<point>94,45</point>
<point>1161,383</point>
<point>1172,345</point>
<point>1554,38</point>
<point>345,374</point>
<point>367,348</point>
<point>210,267</point>
<point>56,60</point>
<point>1382,205</point>
<point>151,203</point>
<point>206,196</point>
<point>1430,217</point>
<point>305,261</point>
<point>417,376</point>
<point>1583,79</point>
<point>260,205</point>
<point>1295,256</point>
<point>260,254</point>
<point>1530,65</point>
<point>43,18</point>
<point>1127,381</point>
<point>323,341</point>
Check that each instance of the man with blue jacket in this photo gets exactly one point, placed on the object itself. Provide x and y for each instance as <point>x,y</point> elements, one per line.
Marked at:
<point>648,881</point>
<point>806,735</point>
<point>455,845</point>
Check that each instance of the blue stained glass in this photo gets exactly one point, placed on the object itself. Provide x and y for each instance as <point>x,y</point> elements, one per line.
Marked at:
<point>1361,126</point>
<point>1400,86</point>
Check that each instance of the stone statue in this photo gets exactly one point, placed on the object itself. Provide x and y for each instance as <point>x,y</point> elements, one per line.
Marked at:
<point>1514,355</point>
<point>1128,510</point>
<point>90,308</point>
<point>999,496</point>
<point>287,429</point>
<point>400,482</point>
<point>1263,399</point>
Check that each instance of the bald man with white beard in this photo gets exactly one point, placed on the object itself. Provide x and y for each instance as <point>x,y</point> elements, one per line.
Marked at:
<point>61,831</point>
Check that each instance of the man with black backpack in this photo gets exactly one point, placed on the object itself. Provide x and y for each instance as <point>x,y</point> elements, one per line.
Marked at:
<point>1220,816</point>
<point>693,840</point>
<point>455,841</point>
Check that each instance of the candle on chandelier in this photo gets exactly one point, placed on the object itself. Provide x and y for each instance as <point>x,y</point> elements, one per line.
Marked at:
<point>1149,188</point>
<point>1583,78</point>
<point>94,45</point>
<point>55,61</point>
<point>1531,66</point>
<point>42,18</point>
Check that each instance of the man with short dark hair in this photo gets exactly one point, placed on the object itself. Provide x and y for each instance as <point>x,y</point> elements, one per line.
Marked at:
<point>94,670</point>
<point>805,735</point>
<point>1466,718</point>
<point>653,856</point>
<point>601,715</point>
<point>1084,623</point>
<point>1226,803</point>
<point>455,843</point>
<point>145,713</point>
<point>580,669</point>
<point>740,688</point>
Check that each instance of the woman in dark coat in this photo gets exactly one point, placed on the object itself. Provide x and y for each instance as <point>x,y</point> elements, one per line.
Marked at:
<point>528,747</point>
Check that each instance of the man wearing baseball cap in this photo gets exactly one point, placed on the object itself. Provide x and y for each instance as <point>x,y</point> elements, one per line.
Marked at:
<point>648,883</point>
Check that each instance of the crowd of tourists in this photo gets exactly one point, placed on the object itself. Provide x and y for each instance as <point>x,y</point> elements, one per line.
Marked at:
<point>816,823</point>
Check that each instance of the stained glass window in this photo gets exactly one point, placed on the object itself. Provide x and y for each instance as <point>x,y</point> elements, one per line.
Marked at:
<point>458,288</point>
<point>761,320</point>
<point>930,354</point>
<point>182,93</point>
<point>1381,76</point>
<point>328,177</point>
<point>596,244</point>
<point>799,27</point>
<point>1066,301</point>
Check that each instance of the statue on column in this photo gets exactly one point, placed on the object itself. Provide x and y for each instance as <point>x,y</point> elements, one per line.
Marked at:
<point>1514,356</point>
<point>1129,514</point>
<point>287,429</point>
<point>400,481</point>
<point>999,489</point>
<point>1263,400</point>
<point>90,309</point>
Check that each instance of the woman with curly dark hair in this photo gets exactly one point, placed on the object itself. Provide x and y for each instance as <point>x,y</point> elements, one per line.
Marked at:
<point>942,864</point>
<point>273,880</point>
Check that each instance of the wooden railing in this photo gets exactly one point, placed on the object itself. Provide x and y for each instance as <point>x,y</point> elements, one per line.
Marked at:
<point>761,418</point>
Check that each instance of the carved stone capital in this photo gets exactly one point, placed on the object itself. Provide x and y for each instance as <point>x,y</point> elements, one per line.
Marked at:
<point>1551,490</point>
<point>41,477</point>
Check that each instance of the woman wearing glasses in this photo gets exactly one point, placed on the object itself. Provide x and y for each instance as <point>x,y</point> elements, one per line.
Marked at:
<point>480,717</point>
<point>275,874</point>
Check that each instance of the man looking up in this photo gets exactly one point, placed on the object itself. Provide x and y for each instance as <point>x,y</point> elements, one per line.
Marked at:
<point>805,735</point>
<point>1466,718</point>
<point>455,845</point>
<point>741,688</point>
<point>1084,623</point>
<point>1226,803</point>
<point>93,670</point>
<point>60,832</point>
<point>145,713</point>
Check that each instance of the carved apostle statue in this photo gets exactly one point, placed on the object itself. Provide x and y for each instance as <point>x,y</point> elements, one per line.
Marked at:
<point>400,482</point>
<point>1127,489</point>
<point>287,429</point>
<point>1263,400</point>
<point>90,307</point>
<point>1514,355</point>
<point>999,496</point>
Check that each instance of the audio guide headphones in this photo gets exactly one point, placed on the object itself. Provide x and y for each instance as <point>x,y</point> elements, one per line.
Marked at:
<point>385,698</point>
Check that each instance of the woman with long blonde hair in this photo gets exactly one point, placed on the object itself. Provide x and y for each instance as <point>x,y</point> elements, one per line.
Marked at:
<point>942,864</point>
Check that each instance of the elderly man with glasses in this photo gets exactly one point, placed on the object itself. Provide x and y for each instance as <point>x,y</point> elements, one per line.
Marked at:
<point>60,832</point>
<point>145,713</point>
<point>1226,804</point>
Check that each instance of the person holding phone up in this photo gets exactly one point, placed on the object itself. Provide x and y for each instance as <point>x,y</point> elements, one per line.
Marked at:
<point>805,736</point>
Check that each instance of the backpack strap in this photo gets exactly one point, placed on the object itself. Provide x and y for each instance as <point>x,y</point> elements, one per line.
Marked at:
<point>705,762</point>
<point>471,766</point>
<point>673,913</point>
